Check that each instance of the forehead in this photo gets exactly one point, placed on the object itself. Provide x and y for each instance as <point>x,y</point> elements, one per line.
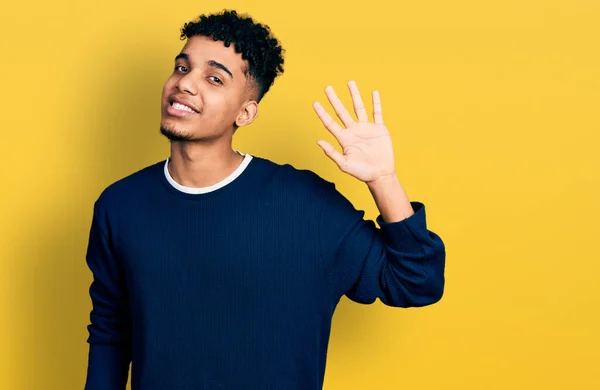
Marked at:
<point>201,49</point>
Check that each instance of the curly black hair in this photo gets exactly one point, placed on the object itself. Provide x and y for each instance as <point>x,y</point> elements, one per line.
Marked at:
<point>253,40</point>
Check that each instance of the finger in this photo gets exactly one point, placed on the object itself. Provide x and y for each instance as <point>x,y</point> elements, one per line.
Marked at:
<point>327,120</point>
<point>333,154</point>
<point>359,107</point>
<point>339,108</point>
<point>377,112</point>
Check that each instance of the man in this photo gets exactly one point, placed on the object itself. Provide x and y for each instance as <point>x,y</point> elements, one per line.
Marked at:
<point>216,269</point>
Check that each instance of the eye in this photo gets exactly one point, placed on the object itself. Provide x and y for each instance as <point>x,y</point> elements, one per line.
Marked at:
<point>180,66</point>
<point>216,79</point>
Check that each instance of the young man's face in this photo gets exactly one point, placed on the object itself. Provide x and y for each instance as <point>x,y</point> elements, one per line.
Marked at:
<point>207,92</point>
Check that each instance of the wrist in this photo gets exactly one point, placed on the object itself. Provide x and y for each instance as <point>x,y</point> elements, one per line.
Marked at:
<point>383,181</point>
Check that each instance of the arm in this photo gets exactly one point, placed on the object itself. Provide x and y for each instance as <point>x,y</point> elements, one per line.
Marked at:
<point>110,327</point>
<point>390,198</point>
<point>403,262</point>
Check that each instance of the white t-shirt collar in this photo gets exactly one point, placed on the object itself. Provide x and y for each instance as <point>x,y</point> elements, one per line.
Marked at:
<point>202,190</point>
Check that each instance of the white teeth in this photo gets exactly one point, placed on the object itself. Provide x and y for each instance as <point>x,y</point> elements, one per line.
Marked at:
<point>182,107</point>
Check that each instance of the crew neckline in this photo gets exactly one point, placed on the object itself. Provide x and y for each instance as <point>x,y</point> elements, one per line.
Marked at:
<point>205,190</point>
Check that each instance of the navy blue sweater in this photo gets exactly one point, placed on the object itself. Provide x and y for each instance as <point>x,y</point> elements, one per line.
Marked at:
<point>236,288</point>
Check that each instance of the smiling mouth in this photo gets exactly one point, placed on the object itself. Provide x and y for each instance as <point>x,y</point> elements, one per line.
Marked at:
<point>182,107</point>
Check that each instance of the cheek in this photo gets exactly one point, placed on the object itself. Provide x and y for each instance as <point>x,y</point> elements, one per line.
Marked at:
<point>171,81</point>
<point>218,104</point>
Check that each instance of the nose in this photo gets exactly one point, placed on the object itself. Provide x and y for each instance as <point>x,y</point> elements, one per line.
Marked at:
<point>186,84</point>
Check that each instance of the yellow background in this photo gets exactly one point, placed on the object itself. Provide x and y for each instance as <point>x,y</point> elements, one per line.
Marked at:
<point>493,109</point>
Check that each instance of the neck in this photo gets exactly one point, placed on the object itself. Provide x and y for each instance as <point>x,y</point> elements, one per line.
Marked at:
<point>198,165</point>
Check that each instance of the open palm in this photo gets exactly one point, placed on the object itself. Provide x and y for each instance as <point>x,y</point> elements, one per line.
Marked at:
<point>367,152</point>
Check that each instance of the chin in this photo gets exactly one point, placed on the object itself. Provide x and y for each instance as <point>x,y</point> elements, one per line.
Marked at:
<point>171,132</point>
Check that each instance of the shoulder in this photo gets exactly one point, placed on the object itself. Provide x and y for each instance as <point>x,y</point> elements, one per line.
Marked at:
<point>136,182</point>
<point>287,176</point>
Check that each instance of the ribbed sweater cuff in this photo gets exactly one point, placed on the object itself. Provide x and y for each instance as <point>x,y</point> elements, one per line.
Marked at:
<point>405,234</point>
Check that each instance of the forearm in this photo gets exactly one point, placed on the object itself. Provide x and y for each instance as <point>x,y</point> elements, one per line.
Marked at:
<point>400,263</point>
<point>110,318</point>
<point>108,367</point>
<point>110,339</point>
<point>390,198</point>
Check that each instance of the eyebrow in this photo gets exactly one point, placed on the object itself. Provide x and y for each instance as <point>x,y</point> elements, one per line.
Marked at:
<point>211,63</point>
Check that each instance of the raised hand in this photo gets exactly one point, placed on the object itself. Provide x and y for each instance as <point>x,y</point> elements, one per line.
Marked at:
<point>367,152</point>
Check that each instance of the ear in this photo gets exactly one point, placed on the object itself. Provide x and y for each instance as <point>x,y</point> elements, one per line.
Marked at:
<point>247,114</point>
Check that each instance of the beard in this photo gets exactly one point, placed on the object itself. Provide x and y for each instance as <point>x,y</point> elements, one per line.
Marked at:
<point>173,135</point>
<point>170,132</point>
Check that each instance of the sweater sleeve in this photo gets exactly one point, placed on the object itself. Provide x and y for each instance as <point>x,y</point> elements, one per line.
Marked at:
<point>401,263</point>
<point>110,326</point>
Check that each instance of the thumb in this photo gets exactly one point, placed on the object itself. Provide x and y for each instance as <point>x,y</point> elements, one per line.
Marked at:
<point>332,153</point>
